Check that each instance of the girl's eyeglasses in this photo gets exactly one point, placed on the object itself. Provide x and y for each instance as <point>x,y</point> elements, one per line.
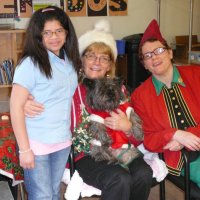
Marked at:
<point>49,34</point>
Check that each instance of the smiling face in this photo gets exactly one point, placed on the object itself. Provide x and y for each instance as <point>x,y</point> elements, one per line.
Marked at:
<point>54,36</point>
<point>97,61</point>
<point>159,65</point>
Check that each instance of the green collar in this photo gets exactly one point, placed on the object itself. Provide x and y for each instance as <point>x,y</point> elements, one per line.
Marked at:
<point>176,79</point>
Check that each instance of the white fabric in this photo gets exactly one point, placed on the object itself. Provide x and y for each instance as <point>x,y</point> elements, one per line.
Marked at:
<point>77,187</point>
<point>128,112</point>
<point>96,118</point>
<point>88,191</point>
<point>74,187</point>
<point>158,166</point>
<point>11,176</point>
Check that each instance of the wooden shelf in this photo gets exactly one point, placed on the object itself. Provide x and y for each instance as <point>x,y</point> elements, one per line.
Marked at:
<point>11,43</point>
<point>11,31</point>
<point>183,61</point>
<point>5,86</point>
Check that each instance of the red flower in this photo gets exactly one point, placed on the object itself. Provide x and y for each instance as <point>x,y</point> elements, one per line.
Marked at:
<point>5,131</point>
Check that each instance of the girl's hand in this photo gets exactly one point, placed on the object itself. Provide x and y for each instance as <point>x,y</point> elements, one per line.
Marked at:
<point>118,121</point>
<point>32,108</point>
<point>27,160</point>
<point>187,139</point>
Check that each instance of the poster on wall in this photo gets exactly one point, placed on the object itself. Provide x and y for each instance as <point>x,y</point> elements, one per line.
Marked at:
<point>76,8</point>
<point>8,9</point>
<point>118,7</point>
<point>15,8</point>
<point>97,8</point>
<point>37,4</point>
<point>25,8</point>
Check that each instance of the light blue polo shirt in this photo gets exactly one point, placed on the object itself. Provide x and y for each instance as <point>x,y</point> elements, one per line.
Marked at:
<point>53,125</point>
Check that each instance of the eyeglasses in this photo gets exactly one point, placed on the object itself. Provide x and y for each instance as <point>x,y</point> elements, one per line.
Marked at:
<point>59,33</point>
<point>93,58</point>
<point>157,51</point>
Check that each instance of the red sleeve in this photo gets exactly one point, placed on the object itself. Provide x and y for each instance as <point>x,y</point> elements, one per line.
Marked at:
<point>157,130</point>
<point>75,109</point>
<point>194,130</point>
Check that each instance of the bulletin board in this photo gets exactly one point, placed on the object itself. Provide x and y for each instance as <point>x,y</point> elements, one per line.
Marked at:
<point>8,9</point>
<point>25,8</point>
<point>96,8</point>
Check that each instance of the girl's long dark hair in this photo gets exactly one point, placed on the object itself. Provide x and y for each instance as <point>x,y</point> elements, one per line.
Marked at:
<point>34,47</point>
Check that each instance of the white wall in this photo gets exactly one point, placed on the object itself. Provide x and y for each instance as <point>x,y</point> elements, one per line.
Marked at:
<point>174,19</point>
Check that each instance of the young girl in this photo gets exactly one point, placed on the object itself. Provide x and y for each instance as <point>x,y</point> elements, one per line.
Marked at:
<point>47,70</point>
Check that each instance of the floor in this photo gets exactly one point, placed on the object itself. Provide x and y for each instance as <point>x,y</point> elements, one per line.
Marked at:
<point>172,193</point>
<point>5,193</point>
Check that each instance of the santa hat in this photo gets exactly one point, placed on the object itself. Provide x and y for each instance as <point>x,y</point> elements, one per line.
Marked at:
<point>100,33</point>
<point>152,31</point>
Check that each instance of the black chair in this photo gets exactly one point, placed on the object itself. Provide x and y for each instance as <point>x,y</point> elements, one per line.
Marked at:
<point>71,162</point>
<point>192,191</point>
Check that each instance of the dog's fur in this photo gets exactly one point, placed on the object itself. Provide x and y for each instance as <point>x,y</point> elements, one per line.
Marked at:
<point>106,95</point>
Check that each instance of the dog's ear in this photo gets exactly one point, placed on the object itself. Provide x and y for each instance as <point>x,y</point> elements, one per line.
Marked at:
<point>118,81</point>
<point>89,83</point>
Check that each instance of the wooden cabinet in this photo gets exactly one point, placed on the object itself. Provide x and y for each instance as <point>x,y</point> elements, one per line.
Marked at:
<point>11,42</point>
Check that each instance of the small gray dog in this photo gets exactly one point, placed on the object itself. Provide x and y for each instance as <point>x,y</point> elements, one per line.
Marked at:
<point>103,96</point>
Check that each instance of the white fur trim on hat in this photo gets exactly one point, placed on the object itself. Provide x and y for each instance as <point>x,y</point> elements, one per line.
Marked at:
<point>100,33</point>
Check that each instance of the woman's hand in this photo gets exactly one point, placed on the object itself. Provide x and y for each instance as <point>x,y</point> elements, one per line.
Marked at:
<point>27,160</point>
<point>173,146</point>
<point>187,139</point>
<point>32,108</point>
<point>118,121</point>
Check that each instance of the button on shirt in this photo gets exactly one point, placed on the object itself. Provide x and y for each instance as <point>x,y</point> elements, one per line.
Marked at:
<point>178,111</point>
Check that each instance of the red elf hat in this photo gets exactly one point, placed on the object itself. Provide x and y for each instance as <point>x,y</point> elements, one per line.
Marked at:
<point>152,31</point>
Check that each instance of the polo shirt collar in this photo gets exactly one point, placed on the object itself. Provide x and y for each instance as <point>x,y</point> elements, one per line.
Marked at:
<point>53,56</point>
<point>176,79</point>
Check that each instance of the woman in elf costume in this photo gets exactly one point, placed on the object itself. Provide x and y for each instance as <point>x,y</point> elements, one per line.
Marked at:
<point>169,104</point>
